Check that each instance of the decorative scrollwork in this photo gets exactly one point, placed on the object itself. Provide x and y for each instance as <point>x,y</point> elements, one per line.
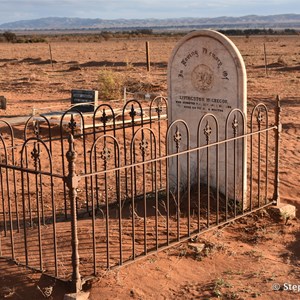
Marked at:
<point>36,129</point>
<point>105,154</point>
<point>104,117</point>
<point>207,131</point>
<point>235,125</point>
<point>35,155</point>
<point>143,146</point>
<point>177,138</point>
<point>158,109</point>
<point>72,124</point>
<point>260,117</point>
<point>132,112</point>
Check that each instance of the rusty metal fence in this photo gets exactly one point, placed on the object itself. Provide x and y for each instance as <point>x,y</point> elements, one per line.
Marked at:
<point>94,193</point>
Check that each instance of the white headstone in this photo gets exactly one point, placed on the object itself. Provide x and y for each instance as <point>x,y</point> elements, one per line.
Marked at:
<point>206,74</point>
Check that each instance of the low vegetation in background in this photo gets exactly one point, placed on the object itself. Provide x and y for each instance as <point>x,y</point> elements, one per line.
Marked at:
<point>93,35</point>
<point>269,31</point>
<point>12,37</point>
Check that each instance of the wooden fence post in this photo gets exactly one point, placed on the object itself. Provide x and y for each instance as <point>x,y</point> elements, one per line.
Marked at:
<point>148,56</point>
<point>51,55</point>
<point>266,63</point>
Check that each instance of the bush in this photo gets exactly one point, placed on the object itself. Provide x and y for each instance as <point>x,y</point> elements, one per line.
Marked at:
<point>106,35</point>
<point>110,85</point>
<point>10,36</point>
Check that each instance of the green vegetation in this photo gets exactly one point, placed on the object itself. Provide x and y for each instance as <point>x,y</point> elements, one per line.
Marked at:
<point>110,85</point>
<point>32,40</point>
<point>98,36</point>
<point>269,31</point>
<point>11,37</point>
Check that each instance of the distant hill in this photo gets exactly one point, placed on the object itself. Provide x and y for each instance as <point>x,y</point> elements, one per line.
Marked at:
<point>251,21</point>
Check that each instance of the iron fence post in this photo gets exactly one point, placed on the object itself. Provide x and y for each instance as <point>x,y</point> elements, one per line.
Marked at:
<point>72,184</point>
<point>276,196</point>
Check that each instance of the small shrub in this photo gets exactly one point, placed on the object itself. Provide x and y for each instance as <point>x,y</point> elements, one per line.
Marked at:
<point>281,61</point>
<point>106,35</point>
<point>110,85</point>
<point>10,36</point>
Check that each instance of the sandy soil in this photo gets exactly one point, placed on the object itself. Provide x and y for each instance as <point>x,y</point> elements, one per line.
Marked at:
<point>240,261</point>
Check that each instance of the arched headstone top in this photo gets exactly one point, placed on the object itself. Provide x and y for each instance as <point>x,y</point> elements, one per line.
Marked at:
<point>206,73</point>
<point>216,37</point>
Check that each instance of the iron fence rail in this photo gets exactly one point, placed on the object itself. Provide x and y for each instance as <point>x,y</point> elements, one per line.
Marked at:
<point>105,197</point>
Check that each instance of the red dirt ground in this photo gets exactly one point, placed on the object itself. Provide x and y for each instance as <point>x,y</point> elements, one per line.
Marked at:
<point>240,261</point>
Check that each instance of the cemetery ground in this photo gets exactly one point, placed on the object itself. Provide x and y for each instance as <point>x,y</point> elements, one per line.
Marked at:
<point>242,260</point>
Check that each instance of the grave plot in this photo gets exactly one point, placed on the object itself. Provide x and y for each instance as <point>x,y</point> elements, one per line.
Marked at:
<point>125,205</point>
<point>80,202</point>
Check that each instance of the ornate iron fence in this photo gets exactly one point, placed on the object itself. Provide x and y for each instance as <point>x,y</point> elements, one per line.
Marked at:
<point>94,193</point>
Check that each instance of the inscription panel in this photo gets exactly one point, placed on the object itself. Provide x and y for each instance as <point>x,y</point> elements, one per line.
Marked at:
<point>81,97</point>
<point>204,74</point>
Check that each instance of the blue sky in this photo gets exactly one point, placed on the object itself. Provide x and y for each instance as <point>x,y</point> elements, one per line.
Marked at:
<point>15,10</point>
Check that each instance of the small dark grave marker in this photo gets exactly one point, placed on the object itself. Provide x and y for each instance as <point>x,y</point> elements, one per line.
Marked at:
<point>2,102</point>
<point>84,100</point>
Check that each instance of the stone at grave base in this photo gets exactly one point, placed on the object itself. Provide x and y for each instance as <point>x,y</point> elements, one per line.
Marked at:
<point>48,286</point>
<point>77,296</point>
<point>283,211</point>
<point>197,247</point>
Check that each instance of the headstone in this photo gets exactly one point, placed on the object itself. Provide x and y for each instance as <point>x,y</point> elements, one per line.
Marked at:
<point>84,100</point>
<point>206,74</point>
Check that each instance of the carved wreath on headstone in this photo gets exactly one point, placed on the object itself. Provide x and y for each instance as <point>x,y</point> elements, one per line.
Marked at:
<point>202,78</point>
